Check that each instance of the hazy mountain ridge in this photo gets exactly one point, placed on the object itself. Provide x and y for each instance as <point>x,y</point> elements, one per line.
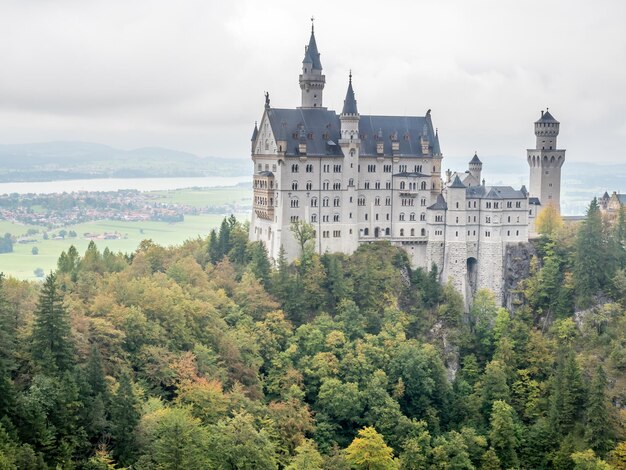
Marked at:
<point>71,160</point>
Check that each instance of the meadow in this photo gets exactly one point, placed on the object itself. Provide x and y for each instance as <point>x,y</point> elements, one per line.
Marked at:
<point>22,263</point>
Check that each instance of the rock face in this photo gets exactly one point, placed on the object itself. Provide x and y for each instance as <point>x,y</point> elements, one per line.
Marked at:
<point>516,268</point>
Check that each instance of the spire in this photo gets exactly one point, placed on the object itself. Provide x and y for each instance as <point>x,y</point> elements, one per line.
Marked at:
<point>475,160</point>
<point>312,50</point>
<point>349,104</point>
<point>307,57</point>
<point>255,132</point>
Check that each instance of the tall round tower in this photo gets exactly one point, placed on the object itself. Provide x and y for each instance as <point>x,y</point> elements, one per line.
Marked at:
<point>311,80</point>
<point>545,162</point>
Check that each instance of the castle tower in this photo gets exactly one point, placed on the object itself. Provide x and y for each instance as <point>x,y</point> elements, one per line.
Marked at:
<point>476,167</point>
<point>545,162</point>
<point>311,80</point>
<point>350,144</point>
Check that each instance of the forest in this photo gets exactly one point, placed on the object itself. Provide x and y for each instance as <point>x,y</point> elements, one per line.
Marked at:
<point>207,356</point>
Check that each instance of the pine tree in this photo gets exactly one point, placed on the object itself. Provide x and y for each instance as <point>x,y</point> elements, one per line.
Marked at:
<point>124,419</point>
<point>502,434</point>
<point>213,249</point>
<point>7,328</point>
<point>567,394</point>
<point>590,257</point>
<point>260,264</point>
<point>223,239</point>
<point>599,433</point>
<point>51,340</point>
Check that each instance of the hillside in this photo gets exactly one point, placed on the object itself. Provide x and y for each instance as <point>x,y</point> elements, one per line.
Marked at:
<point>79,160</point>
<point>204,356</point>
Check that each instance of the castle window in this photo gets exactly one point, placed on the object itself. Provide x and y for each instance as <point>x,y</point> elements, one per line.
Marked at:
<point>360,201</point>
<point>377,201</point>
<point>508,218</point>
<point>351,182</point>
<point>423,202</point>
<point>423,185</point>
<point>313,217</point>
<point>337,168</point>
<point>326,185</point>
<point>325,218</point>
<point>509,204</point>
<point>325,202</point>
<point>387,232</point>
<point>336,202</point>
<point>474,204</point>
<point>294,168</point>
<point>488,205</point>
<point>309,185</point>
<point>457,220</point>
<point>474,232</point>
<point>326,168</point>
<point>294,218</point>
<point>518,204</point>
<point>309,168</point>
<point>412,216</point>
<point>388,185</point>
<point>457,205</point>
<point>259,167</point>
<point>387,216</point>
<point>294,186</point>
<point>336,218</point>
<point>508,233</point>
<point>366,216</point>
<point>401,216</point>
<point>402,185</point>
<point>517,232</point>
<point>314,202</point>
<point>402,232</point>
<point>295,203</point>
<point>402,168</point>
<point>336,186</point>
<point>376,216</point>
<point>456,234</point>
<point>469,219</point>
<point>422,232</point>
<point>422,217</point>
<point>377,185</point>
<point>336,233</point>
<point>367,185</point>
<point>274,167</point>
<point>387,168</point>
<point>488,220</point>
<point>366,232</point>
<point>387,201</point>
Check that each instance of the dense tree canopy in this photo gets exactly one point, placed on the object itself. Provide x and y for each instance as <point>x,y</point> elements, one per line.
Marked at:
<point>211,355</point>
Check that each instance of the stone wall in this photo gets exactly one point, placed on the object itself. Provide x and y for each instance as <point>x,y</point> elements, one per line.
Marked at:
<point>516,268</point>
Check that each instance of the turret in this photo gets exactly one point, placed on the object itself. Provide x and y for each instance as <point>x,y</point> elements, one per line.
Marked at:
<point>255,133</point>
<point>311,80</point>
<point>545,162</point>
<point>476,167</point>
<point>349,116</point>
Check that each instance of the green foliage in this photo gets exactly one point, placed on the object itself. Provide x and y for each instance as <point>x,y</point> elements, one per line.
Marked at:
<point>369,451</point>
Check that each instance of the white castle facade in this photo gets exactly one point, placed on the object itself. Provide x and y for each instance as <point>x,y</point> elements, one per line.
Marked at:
<point>363,178</point>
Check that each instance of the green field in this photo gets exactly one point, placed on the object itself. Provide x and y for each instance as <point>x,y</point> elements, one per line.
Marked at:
<point>203,197</point>
<point>21,263</point>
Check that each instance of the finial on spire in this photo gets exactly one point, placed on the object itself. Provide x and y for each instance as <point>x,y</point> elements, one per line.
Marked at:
<point>312,24</point>
<point>350,76</point>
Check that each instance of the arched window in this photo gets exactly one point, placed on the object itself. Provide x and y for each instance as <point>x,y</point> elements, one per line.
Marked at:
<point>313,202</point>
<point>423,232</point>
<point>313,217</point>
<point>412,216</point>
<point>294,186</point>
<point>366,232</point>
<point>387,231</point>
<point>402,185</point>
<point>422,217</point>
<point>423,185</point>
<point>401,216</point>
<point>412,232</point>
<point>402,232</point>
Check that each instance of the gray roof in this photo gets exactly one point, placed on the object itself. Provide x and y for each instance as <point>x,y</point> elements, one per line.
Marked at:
<point>475,160</point>
<point>457,183</point>
<point>534,201</point>
<point>313,53</point>
<point>307,57</point>
<point>320,126</point>
<point>266,173</point>
<point>255,132</point>
<point>546,117</point>
<point>349,104</point>
<point>622,198</point>
<point>440,204</point>
<point>605,195</point>
<point>494,192</point>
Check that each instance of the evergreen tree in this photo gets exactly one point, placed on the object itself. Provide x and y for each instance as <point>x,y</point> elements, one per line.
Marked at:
<point>490,461</point>
<point>260,264</point>
<point>51,339</point>
<point>124,419</point>
<point>599,434</point>
<point>213,249</point>
<point>591,267</point>
<point>567,394</point>
<point>502,434</point>
<point>7,328</point>
<point>223,239</point>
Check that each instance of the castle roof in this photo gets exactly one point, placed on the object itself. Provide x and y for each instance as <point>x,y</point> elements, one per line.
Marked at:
<point>322,128</point>
<point>313,53</point>
<point>546,117</point>
<point>605,195</point>
<point>534,201</point>
<point>457,183</point>
<point>349,104</point>
<point>494,192</point>
<point>439,205</point>
<point>266,173</point>
<point>255,132</point>
<point>307,57</point>
<point>475,160</point>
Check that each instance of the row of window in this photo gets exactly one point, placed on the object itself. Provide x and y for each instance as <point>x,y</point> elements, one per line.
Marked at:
<point>336,168</point>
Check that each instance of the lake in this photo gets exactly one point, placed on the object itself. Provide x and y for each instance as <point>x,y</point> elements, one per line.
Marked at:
<point>115,184</point>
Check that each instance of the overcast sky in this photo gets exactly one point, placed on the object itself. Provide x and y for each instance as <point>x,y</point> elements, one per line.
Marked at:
<point>190,74</point>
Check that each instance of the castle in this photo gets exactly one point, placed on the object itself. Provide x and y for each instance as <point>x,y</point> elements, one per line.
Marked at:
<point>361,178</point>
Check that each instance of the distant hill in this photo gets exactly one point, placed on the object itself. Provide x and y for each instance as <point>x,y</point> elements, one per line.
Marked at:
<point>71,160</point>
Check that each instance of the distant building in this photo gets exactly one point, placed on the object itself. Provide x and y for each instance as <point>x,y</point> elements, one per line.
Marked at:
<point>361,178</point>
<point>611,205</point>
